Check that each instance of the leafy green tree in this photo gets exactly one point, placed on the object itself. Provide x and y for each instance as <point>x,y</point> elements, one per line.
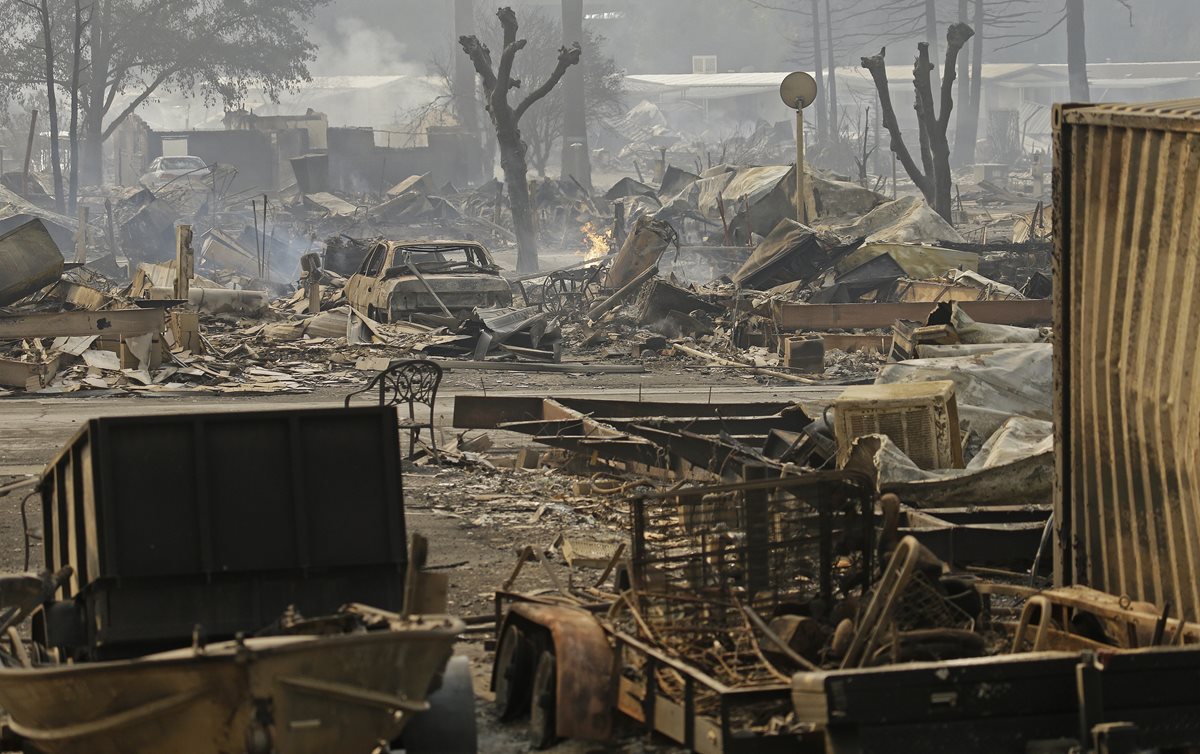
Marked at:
<point>134,49</point>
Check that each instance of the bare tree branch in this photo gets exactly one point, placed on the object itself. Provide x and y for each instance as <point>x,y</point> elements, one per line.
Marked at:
<point>956,37</point>
<point>878,70</point>
<point>508,22</point>
<point>923,104</point>
<point>481,57</point>
<point>567,57</point>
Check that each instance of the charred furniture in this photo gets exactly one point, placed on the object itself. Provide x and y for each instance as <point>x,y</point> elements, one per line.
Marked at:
<point>675,642</point>
<point>411,382</point>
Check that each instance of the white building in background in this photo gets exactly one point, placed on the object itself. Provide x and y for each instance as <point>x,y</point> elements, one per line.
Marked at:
<point>1015,96</point>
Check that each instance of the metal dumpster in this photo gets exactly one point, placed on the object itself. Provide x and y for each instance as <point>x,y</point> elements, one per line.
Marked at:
<point>1127,390</point>
<point>216,523</point>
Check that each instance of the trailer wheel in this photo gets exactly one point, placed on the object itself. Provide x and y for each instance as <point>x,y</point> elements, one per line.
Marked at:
<point>514,674</point>
<point>448,726</point>
<point>543,728</point>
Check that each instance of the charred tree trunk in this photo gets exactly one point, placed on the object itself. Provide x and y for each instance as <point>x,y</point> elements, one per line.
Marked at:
<point>877,67</point>
<point>91,150</point>
<point>923,104</point>
<point>976,99</point>
<point>956,37</point>
<point>835,132</point>
<point>931,37</point>
<point>73,130</point>
<point>52,101</point>
<point>1077,52</point>
<point>516,177</point>
<point>822,114</point>
<point>505,118</point>
<point>964,93</point>
<point>465,103</point>
<point>934,181</point>
<point>576,160</point>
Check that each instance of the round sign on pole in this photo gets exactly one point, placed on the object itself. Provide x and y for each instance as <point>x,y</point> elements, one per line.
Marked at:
<point>798,90</point>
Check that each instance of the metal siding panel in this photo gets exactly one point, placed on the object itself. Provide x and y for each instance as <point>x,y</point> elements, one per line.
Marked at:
<point>1147,518</point>
<point>1128,423</point>
<point>91,535</point>
<point>1091,528</point>
<point>1183,369</point>
<point>1063,551</point>
<point>1120,255</point>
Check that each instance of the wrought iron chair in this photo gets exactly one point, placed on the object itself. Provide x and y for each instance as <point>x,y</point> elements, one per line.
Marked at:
<point>413,381</point>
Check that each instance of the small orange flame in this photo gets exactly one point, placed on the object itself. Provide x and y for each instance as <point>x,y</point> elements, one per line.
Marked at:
<point>598,244</point>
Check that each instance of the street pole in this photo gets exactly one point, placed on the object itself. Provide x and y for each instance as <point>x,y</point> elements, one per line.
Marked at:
<point>575,158</point>
<point>798,90</point>
<point>465,103</point>
<point>801,207</point>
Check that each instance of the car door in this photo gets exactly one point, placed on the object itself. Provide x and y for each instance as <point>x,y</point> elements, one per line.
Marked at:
<point>360,288</point>
<point>379,292</point>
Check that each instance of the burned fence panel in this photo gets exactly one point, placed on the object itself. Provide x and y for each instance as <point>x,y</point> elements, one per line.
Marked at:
<point>1127,388</point>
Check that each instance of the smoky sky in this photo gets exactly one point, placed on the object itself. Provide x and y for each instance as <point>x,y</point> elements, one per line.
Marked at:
<point>661,36</point>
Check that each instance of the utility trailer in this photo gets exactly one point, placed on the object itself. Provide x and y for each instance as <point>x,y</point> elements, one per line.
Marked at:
<point>1054,702</point>
<point>235,580</point>
<point>217,523</point>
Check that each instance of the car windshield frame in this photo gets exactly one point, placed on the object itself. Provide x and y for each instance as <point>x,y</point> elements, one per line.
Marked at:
<point>192,163</point>
<point>432,259</point>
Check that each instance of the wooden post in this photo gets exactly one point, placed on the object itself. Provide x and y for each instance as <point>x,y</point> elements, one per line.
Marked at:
<point>28,154</point>
<point>893,175</point>
<point>314,294</point>
<point>184,261</point>
<point>109,231</point>
<point>81,234</point>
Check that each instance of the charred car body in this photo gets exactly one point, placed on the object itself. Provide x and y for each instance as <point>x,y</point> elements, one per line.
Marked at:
<point>398,279</point>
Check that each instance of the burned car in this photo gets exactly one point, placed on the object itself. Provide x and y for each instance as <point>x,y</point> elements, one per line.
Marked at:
<point>398,279</point>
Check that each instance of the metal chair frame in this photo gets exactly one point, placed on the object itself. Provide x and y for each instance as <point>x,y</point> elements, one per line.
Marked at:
<point>411,381</point>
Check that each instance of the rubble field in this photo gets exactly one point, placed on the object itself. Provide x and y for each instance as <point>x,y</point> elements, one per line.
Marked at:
<point>709,476</point>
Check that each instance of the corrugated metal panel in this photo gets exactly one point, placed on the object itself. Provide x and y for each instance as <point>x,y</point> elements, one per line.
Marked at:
<point>1127,201</point>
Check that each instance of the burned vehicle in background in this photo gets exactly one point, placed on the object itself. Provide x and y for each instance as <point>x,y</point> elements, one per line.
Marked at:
<point>398,279</point>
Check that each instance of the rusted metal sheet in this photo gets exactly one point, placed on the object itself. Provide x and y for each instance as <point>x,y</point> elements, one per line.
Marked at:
<point>1127,388</point>
<point>297,694</point>
<point>484,412</point>
<point>72,324</point>
<point>255,523</point>
<point>871,316</point>
<point>585,668</point>
<point>839,342</point>
<point>29,261</point>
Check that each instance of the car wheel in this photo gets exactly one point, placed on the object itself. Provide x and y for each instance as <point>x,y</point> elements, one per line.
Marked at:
<point>448,726</point>
<point>543,727</point>
<point>514,671</point>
